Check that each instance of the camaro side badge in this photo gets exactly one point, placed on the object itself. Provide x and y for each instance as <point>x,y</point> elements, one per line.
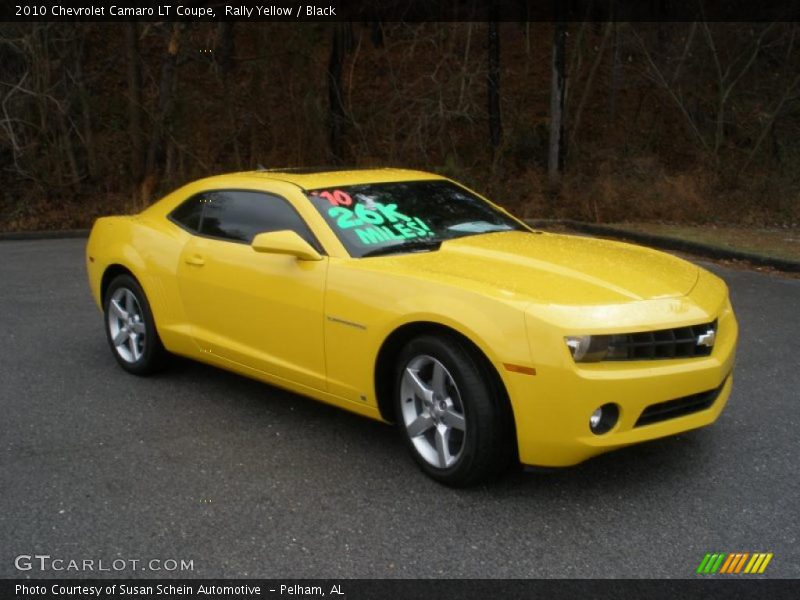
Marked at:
<point>707,339</point>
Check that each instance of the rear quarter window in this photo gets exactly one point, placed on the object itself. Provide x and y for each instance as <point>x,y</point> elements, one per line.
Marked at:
<point>188,214</point>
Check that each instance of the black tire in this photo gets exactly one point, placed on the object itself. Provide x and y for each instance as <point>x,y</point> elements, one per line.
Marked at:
<point>485,446</point>
<point>147,355</point>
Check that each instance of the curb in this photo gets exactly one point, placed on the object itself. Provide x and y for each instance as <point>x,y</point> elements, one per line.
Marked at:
<point>43,235</point>
<point>656,241</point>
<point>668,243</point>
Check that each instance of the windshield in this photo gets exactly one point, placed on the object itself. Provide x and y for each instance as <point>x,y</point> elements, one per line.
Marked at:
<point>407,216</point>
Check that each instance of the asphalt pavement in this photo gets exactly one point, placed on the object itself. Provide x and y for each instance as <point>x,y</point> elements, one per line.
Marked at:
<point>245,480</point>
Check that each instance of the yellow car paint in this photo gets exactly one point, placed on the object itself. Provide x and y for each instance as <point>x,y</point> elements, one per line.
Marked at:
<point>316,327</point>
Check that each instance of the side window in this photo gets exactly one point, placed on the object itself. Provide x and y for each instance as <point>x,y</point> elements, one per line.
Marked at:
<point>188,213</point>
<point>240,215</point>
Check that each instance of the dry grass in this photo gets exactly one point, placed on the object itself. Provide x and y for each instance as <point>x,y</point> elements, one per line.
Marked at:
<point>783,243</point>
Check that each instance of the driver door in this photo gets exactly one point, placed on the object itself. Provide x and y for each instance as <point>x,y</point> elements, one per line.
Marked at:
<point>263,311</point>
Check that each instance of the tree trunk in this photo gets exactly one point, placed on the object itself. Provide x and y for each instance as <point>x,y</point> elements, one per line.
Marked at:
<point>616,73</point>
<point>156,149</point>
<point>555,158</point>
<point>335,98</point>
<point>377,34</point>
<point>74,175</point>
<point>495,125</point>
<point>86,110</point>
<point>224,57</point>
<point>135,101</point>
<point>226,47</point>
<point>587,88</point>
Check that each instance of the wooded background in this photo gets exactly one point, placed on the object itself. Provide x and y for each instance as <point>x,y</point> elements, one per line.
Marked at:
<point>685,122</point>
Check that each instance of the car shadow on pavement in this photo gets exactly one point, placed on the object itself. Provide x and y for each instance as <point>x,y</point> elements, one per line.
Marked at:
<point>380,455</point>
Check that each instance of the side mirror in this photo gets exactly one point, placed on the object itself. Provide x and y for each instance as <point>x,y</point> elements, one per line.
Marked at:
<point>284,242</point>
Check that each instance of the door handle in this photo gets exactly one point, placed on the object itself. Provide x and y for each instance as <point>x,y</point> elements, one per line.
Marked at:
<point>195,260</point>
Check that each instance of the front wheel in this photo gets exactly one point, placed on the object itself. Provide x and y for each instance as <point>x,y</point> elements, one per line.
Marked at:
<point>130,328</point>
<point>450,415</point>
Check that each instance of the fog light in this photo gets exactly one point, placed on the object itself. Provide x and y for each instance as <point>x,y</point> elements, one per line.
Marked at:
<point>604,418</point>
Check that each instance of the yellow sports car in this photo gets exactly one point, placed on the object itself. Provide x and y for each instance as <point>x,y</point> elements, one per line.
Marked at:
<point>405,297</point>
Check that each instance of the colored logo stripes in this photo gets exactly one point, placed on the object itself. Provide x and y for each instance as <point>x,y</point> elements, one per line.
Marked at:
<point>735,562</point>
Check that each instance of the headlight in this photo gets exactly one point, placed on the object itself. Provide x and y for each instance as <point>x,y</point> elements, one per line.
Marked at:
<point>588,348</point>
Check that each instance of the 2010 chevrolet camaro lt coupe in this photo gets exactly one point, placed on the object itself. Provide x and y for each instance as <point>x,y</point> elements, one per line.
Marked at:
<point>405,297</point>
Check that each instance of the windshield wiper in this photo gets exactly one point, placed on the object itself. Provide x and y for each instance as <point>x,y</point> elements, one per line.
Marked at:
<point>404,247</point>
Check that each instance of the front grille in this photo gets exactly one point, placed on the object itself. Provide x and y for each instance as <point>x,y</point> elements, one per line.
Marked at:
<point>681,342</point>
<point>663,411</point>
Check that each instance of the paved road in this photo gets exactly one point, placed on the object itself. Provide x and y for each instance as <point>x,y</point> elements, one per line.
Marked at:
<point>246,480</point>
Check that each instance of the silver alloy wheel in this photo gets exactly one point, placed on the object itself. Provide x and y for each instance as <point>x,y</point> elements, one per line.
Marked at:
<point>126,325</point>
<point>433,412</point>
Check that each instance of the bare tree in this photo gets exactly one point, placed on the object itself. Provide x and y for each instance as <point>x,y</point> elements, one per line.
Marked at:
<point>340,45</point>
<point>726,78</point>
<point>587,87</point>
<point>226,47</point>
<point>41,107</point>
<point>156,151</point>
<point>493,85</point>
<point>135,129</point>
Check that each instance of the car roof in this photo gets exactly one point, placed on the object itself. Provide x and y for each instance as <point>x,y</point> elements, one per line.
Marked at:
<point>310,178</point>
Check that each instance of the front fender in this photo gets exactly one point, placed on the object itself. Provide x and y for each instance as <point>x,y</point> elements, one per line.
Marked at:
<point>363,308</point>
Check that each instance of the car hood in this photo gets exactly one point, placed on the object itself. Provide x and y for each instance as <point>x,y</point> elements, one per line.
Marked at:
<point>551,268</point>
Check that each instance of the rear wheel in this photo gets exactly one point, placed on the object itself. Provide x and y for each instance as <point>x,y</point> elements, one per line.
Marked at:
<point>451,417</point>
<point>130,328</point>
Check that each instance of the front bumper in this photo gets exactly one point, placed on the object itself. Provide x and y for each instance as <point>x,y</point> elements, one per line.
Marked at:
<point>552,408</point>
